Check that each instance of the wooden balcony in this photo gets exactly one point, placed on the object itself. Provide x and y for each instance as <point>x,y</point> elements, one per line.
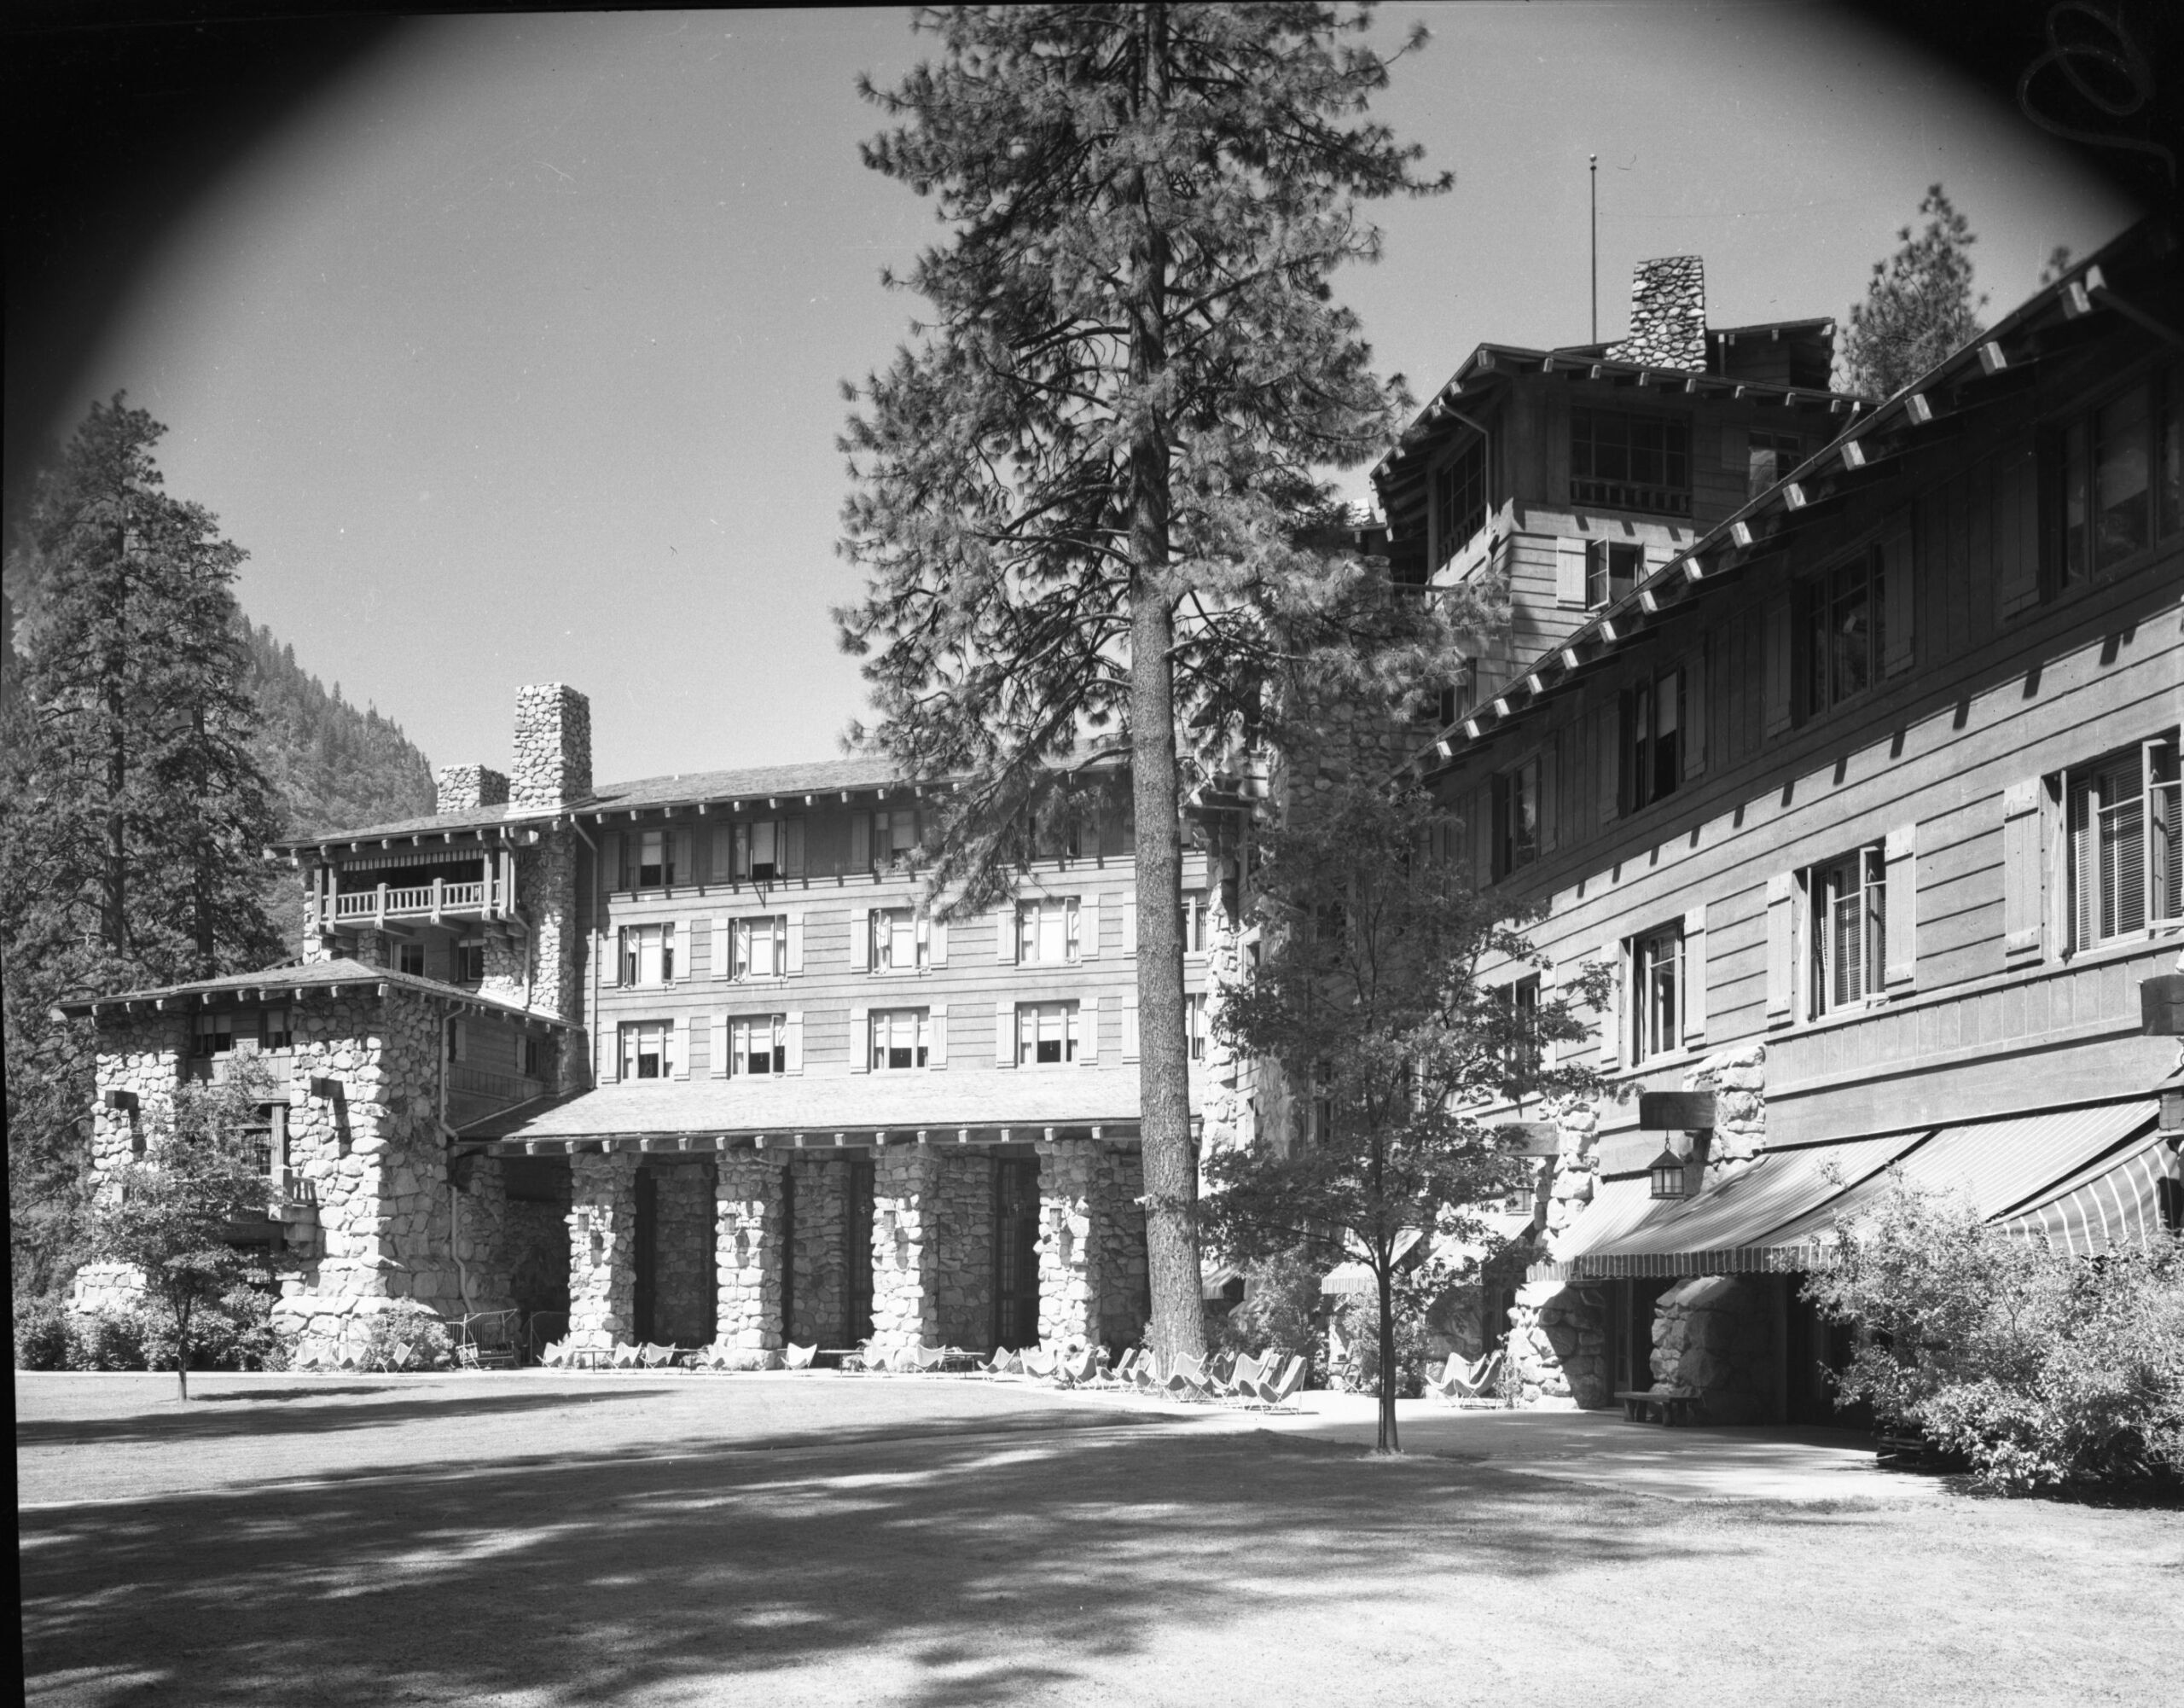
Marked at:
<point>438,902</point>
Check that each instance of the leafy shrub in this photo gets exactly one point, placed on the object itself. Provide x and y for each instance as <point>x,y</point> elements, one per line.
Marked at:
<point>106,1340</point>
<point>406,1336</point>
<point>1280,1309</point>
<point>1359,1372</point>
<point>2042,1369</point>
<point>233,1333</point>
<point>41,1334</point>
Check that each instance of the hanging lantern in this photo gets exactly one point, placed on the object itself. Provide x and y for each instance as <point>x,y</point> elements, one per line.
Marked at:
<point>1668,1172</point>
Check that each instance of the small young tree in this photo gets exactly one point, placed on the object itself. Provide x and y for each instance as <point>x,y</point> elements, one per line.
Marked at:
<point>1919,307</point>
<point>166,1213</point>
<point>1368,999</point>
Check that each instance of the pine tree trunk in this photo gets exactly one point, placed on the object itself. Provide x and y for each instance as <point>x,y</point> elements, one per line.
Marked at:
<point>1162,1070</point>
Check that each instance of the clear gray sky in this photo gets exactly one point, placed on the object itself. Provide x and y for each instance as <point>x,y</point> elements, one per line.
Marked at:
<point>518,358</point>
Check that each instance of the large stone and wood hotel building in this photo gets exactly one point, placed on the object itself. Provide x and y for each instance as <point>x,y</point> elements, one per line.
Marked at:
<point>1845,735</point>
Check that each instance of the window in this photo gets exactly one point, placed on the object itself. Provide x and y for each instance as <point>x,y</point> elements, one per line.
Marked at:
<point>455,1041</point>
<point>1196,1031</point>
<point>2118,481</point>
<point>1046,1033</point>
<point>212,1034</point>
<point>649,1049</point>
<point>759,947</point>
<point>266,1142</point>
<point>897,945</point>
<point>1841,615</point>
<point>655,853</point>
<point>470,960</point>
<point>1459,501</point>
<point>1611,570</point>
<point>533,1058</point>
<point>274,1029</point>
<point>1652,740</point>
<point>1850,920</point>
<point>758,1043</point>
<point>649,953</point>
<point>1046,931</point>
<point>1771,456</point>
<point>1630,462</point>
<point>1520,1000</point>
<point>894,838</point>
<point>2124,847</point>
<point>409,957</point>
<point>1193,919</point>
<point>770,850</point>
<point>1516,818</point>
<point>1656,975</point>
<point>898,1039</point>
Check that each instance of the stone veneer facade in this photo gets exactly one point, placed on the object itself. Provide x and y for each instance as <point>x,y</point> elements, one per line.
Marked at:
<point>465,789</point>
<point>1668,316</point>
<point>552,763</point>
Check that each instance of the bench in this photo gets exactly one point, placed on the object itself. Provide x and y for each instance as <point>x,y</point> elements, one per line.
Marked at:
<point>1675,1405</point>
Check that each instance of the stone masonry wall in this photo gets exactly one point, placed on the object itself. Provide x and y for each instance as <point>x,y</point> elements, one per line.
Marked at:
<point>553,747</point>
<point>685,1286</point>
<point>602,1248</point>
<point>464,788</point>
<point>820,1299</point>
<point>1715,1333</point>
<point>1070,1268</point>
<point>747,1255</point>
<point>961,1254</point>
<point>905,1300</point>
<point>1558,1345</point>
<point>1667,315</point>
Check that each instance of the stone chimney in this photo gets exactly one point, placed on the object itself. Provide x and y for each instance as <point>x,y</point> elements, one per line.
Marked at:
<point>1667,315</point>
<point>463,788</point>
<point>553,746</point>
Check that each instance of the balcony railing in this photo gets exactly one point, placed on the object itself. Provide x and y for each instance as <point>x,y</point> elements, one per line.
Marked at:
<point>430,902</point>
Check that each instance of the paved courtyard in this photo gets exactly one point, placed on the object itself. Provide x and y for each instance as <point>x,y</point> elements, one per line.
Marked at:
<point>532,1539</point>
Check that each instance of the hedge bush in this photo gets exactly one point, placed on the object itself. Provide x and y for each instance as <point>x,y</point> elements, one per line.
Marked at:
<point>406,1336</point>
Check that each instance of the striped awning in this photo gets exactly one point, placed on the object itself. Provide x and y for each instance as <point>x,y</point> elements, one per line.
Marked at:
<point>2128,1201</point>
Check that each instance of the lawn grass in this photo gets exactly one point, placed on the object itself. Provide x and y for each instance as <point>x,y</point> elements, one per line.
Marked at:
<point>513,1541</point>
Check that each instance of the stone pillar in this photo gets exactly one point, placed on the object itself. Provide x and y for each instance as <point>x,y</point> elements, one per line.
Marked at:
<point>1558,1345</point>
<point>553,747</point>
<point>1667,315</point>
<point>819,1300</point>
<point>1125,1304</point>
<point>1069,1269</point>
<point>465,789</point>
<point>684,1285</point>
<point>602,1247</point>
<point>1715,1333</point>
<point>747,1256</point>
<point>962,1250</point>
<point>905,1301</point>
<point>1738,1078</point>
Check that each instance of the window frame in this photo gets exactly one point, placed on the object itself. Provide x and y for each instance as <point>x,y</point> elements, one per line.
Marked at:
<point>1648,963</point>
<point>882,926</point>
<point>2157,907</point>
<point>280,1036</point>
<point>1595,489</point>
<point>206,1028</point>
<point>1070,909</point>
<point>919,1020</point>
<point>660,933</point>
<point>2071,468</point>
<point>1198,1033</point>
<point>1644,762</point>
<point>1869,900</point>
<point>1784,451</point>
<point>1817,602</point>
<point>1604,585</point>
<point>741,1029</point>
<point>1465,475</point>
<point>630,1043</point>
<point>1514,845</point>
<point>1070,1012</point>
<point>742,935</point>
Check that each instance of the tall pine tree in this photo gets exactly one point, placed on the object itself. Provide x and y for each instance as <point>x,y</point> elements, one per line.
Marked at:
<point>1080,494</point>
<point>1920,305</point>
<point>131,812</point>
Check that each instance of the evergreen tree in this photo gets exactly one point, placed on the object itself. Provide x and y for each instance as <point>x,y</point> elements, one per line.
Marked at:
<point>1368,1001</point>
<point>131,814</point>
<point>1919,307</point>
<point>1079,494</point>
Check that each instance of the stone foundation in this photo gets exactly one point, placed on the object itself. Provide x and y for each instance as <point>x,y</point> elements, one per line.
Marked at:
<point>1715,1333</point>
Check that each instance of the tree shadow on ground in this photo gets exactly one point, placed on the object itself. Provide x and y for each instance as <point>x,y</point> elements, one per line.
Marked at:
<point>328,1413</point>
<point>948,1570</point>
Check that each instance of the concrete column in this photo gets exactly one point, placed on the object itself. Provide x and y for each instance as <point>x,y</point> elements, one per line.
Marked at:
<point>602,1247</point>
<point>1070,1272</point>
<point>747,1255</point>
<point>905,1225</point>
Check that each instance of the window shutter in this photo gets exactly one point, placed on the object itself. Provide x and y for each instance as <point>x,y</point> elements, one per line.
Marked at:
<point>1570,574</point>
<point>923,927</point>
<point>1087,927</point>
<point>1004,933</point>
<point>682,1048</point>
<point>860,1040</point>
<point>1782,948</point>
<point>1626,719</point>
<point>1610,1016</point>
<point>1482,837</point>
<point>2021,907</point>
<point>1693,720</point>
<point>796,941</point>
<point>860,939</point>
<point>1736,448</point>
<point>1607,760</point>
<point>612,860</point>
<point>723,955</point>
<point>936,1054</point>
<point>1499,840</point>
<point>686,868</point>
<point>940,943</point>
<point>1549,754</point>
<point>1900,900</point>
<point>1004,1034</point>
<point>716,1051</point>
<point>720,844</point>
<point>791,850</point>
<point>667,953</point>
<point>1693,982</point>
<point>1898,604</point>
<point>610,1055</point>
<point>792,1041</point>
<point>1088,1043</point>
<point>861,842</point>
<point>1129,925</point>
<point>2020,531</point>
<point>1129,1028</point>
<point>1777,661</point>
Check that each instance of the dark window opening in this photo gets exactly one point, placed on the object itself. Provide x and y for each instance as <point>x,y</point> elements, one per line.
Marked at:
<point>1611,570</point>
<point>1625,461</point>
<point>1652,740</point>
<point>1842,617</point>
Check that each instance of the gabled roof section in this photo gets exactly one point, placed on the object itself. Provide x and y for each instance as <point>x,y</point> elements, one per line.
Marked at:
<point>317,976</point>
<point>2144,258</point>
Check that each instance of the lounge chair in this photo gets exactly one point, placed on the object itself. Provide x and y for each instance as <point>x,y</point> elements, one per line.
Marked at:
<point>1148,1375</point>
<point>799,1357</point>
<point>623,1356</point>
<point>1074,1369</point>
<point>551,1356</point>
<point>1244,1374</point>
<point>652,1356</point>
<point>1039,1362</point>
<point>1468,1378</point>
<point>1189,1380</point>
<point>1276,1392</point>
<point>1004,1362</point>
<point>930,1359</point>
<point>1120,1376</point>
